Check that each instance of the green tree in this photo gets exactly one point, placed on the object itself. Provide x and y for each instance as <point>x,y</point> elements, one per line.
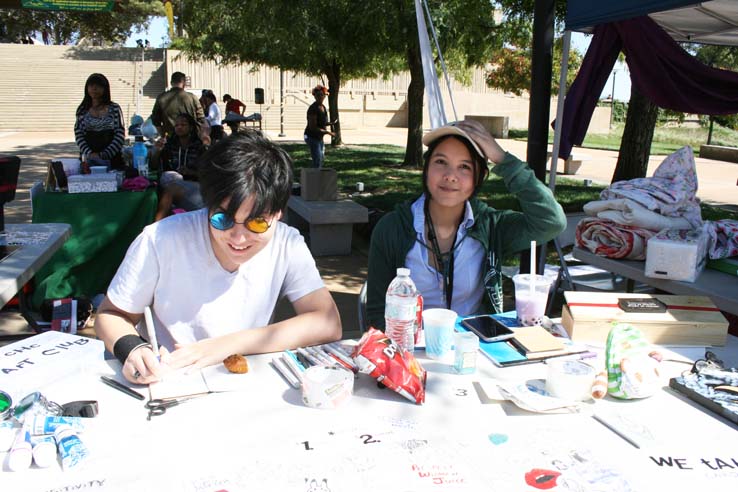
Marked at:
<point>640,122</point>
<point>725,57</point>
<point>467,35</point>
<point>341,40</point>
<point>511,67</point>
<point>334,39</point>
<point>67,27</point>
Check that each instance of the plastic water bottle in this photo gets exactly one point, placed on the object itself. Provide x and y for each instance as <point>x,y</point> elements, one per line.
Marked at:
<point>400,310</point>
<point>140,157</point>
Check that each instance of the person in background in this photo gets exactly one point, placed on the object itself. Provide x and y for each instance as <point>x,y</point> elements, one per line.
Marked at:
<point>172,103</point>
<point>213,276</point>
<point>452,242</point>
<point>233,106</point>
<point>45,36</point>
<point>317,126</point>
<point>179,156</point>
<point>98,128</point>
<point>213,115</point>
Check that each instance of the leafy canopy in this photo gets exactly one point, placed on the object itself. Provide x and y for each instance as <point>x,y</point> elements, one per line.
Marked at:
<point>66,27</point>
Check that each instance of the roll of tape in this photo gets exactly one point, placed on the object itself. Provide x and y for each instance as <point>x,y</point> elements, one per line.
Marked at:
<point>569,379</point>
<point>327,387</point>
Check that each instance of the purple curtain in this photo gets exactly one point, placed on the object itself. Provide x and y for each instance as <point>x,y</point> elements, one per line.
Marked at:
<point>659,68</point>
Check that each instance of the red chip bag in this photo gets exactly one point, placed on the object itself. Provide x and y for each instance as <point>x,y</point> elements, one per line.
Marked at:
<point>380,357</point>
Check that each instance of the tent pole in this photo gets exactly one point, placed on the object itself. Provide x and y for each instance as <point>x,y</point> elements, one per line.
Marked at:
<point>559,109</point>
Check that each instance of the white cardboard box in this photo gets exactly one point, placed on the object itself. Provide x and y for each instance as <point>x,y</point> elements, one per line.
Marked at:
<point>92,183</point>
<point>33,363</point>
<point>677,254</point>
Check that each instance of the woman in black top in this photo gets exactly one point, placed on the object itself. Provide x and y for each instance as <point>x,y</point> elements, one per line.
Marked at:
<point>317,126</point>
<point>98,129</point>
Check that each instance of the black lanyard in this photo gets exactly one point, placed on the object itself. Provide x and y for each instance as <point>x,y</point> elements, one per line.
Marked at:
<point>447,266</point>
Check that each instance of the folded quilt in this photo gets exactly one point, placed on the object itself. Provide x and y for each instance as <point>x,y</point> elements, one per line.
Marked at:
<point>671,191</point>
<point>723,238</point>
<point>607,238</point>
<point>627,212</point>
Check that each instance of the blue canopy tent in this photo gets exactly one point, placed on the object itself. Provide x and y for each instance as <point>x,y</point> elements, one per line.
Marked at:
<point>712,22</point>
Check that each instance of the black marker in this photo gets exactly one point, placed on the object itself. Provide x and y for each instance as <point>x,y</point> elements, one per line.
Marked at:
<point>303,360</point>
<point>122,387</point>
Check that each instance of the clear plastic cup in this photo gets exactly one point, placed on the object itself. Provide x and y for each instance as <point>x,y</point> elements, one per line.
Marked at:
<point>531,297</point>
<point>466,346</point>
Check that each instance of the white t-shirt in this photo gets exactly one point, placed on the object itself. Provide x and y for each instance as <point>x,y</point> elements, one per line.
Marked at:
<point>213,115</point>
<point>172,264</point>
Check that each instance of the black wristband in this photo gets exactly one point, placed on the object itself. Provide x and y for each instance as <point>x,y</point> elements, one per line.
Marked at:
<point>127,344</point>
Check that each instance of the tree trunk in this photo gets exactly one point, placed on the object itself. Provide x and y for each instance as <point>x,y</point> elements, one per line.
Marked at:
<point>635,147</point>
<point>414,146</point>
<point>334,86</point>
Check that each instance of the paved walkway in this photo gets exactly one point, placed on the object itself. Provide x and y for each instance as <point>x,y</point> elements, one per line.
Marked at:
<point>344,275</point>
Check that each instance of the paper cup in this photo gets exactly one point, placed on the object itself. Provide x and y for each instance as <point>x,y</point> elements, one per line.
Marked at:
<point>326,387</point>
<point>569,379</point>
<point>438,325</point>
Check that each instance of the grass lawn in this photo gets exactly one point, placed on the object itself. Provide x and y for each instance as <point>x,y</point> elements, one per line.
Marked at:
<point>665,139</point>
<point>387,183</point>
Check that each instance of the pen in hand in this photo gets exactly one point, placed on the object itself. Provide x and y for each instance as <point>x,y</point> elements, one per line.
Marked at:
<point>122,388</point>
<point>151,330</point>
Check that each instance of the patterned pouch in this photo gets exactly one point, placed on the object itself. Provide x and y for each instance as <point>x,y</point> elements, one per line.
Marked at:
<point>632,364</point>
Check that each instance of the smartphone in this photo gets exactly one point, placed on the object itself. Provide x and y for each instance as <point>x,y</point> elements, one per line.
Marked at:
<point>488,328</point>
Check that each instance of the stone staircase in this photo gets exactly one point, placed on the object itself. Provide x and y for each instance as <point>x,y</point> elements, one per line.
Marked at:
<point>45,84</point>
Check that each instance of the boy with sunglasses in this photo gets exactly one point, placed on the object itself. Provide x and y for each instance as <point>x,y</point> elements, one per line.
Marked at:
<point>213,276</point>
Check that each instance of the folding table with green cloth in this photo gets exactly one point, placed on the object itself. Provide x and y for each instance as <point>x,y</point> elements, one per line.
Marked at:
<point>103,226</point>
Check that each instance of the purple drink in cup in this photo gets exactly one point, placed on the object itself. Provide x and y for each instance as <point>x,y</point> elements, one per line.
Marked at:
<point>531,297</point>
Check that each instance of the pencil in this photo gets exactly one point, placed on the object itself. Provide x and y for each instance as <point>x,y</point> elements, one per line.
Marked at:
<point>151,330</point>
<point>293,367</point>
<point>279,366</point>
<point>616,431</point>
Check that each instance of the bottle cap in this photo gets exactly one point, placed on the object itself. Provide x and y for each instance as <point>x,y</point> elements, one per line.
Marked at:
<point>405,272</point>
<point>6,404</point>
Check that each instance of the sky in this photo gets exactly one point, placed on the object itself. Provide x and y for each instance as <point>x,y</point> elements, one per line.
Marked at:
<point>158,36</point>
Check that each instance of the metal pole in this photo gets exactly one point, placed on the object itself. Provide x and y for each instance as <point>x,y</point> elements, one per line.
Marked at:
<point>139,93</point>
<point>612,96</point>
<point>559,111</point>
<point>281,103</point>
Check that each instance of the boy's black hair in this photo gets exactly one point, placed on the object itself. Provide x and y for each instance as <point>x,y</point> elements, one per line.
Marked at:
<point>480,163</point>
<point>244,165</point>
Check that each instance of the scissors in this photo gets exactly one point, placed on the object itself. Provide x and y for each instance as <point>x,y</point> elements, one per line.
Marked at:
<point>159,407</point>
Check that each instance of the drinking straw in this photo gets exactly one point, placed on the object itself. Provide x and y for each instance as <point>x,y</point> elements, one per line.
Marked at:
<point>532,284</point>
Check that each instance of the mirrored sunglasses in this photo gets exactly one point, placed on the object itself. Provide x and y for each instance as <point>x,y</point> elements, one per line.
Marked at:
<point>223,222</point>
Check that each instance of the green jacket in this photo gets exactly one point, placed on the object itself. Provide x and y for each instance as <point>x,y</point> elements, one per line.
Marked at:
<point>500,232</point>
<point>170,104</point>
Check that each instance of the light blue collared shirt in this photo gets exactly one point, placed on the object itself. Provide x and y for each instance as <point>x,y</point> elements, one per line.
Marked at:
<point>468,259</point>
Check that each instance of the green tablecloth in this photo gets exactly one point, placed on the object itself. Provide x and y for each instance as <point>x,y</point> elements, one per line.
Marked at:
<point>103,226</point>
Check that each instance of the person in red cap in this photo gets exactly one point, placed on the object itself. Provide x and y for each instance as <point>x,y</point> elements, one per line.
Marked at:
<point>317,126</point>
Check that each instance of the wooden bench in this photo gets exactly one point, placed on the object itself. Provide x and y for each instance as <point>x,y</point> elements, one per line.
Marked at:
<point>329,223</point>
<point>572,164</point>
<point>719,153</point>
